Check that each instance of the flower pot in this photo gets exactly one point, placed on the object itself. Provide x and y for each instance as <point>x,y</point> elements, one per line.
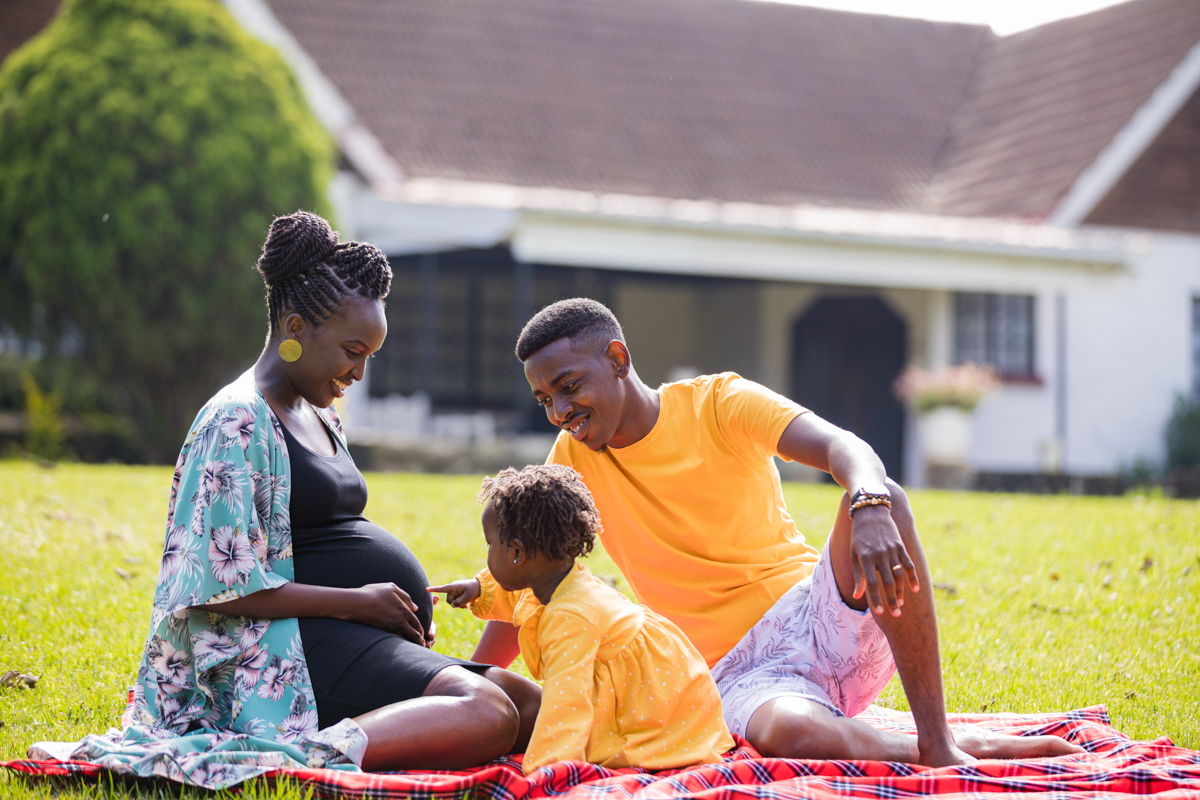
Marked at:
<point>945,434</point>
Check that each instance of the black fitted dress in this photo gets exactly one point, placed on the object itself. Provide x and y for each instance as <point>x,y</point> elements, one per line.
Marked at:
<point>354,668</point>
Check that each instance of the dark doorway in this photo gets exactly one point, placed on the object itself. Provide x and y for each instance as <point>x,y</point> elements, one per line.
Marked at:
<point>846,353</point>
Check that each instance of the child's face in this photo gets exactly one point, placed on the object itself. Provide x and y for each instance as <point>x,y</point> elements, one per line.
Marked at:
<point>505,562</point>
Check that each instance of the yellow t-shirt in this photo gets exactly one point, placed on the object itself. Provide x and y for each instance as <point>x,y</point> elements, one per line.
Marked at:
<point>693,513</point>
<point>621,685</point>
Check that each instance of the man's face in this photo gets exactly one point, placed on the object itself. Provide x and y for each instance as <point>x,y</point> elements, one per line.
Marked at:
<point>581,391</point>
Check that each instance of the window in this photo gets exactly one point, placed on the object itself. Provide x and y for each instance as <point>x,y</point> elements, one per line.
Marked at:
<point>465,357</point>
<point>453,322</point>
<point>995,329</point>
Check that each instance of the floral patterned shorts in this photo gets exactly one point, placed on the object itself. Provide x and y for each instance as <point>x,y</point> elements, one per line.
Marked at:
<point>810,644</point>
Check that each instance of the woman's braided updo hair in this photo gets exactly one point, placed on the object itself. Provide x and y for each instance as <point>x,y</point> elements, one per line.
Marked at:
<point>307,271</point>
<point>547,506</point>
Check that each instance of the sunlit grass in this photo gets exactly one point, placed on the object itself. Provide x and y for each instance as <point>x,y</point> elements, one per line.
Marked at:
<point>1048,603</point>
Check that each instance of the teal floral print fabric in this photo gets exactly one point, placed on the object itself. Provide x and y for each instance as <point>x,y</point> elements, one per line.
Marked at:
<point>217,691</point>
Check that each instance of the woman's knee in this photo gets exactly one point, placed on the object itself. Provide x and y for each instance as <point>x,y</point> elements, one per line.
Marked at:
<point>525,695</point>
<point>520,690</point>
<point>495,715</point>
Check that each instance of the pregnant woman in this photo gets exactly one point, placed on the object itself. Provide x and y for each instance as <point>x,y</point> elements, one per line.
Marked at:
<point>280,609</point>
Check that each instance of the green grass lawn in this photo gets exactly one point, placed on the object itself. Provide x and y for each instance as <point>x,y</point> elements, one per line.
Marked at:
<point>1046,603</point>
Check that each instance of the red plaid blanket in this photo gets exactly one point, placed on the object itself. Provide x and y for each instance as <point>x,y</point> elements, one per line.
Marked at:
<point>1113,765</point>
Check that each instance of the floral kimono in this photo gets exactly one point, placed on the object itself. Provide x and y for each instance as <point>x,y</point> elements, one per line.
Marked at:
<point>218,694</point>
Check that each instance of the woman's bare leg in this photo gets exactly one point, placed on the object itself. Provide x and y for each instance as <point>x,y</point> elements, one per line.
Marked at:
<point>462,720</point>
<point>525,695</point>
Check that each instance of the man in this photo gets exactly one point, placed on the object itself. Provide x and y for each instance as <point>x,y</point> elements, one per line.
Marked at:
<point>693,515</point>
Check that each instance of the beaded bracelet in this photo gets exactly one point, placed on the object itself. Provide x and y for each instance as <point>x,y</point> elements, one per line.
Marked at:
<point>869,500</point>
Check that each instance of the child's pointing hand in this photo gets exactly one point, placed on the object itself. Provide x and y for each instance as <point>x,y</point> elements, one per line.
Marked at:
<point>459,593</point>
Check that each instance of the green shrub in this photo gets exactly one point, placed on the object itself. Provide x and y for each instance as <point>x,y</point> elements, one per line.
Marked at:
<point>1183,435</point>
<point>147,144</point>
<point>45,432</point>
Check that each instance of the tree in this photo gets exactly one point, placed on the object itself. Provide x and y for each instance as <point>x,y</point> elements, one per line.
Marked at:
<point>145,146</point>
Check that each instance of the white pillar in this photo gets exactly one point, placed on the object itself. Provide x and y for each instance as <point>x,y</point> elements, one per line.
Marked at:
<point>941,329</point>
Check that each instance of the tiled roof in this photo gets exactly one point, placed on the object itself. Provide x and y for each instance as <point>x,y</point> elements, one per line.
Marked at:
<point>733,100</point>
<point>1161,190</point>
<point>722,99</point>
<point>1047,101</point>
<point>744,101</point>
<point>21,19</point>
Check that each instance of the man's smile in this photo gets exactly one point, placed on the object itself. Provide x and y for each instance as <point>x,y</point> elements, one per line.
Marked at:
<point>576,426</point>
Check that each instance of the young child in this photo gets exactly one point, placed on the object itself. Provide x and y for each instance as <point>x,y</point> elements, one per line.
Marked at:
<point>622,686</point>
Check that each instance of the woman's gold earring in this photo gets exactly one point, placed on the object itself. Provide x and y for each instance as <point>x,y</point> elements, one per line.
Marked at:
<point>290,350</point>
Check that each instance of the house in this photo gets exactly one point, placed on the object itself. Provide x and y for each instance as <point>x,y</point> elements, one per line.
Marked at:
<point>811,198</point>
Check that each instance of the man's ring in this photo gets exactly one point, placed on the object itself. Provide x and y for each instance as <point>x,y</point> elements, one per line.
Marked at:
<point>898,566</point>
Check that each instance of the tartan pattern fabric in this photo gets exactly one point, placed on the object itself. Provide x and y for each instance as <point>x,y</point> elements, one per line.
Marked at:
<point>1113,765</point>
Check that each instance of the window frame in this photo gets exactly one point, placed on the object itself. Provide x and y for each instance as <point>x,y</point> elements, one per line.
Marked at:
<point>1004,329</point>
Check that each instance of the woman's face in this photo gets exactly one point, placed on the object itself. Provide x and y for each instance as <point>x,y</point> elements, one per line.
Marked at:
<point>336,351</point>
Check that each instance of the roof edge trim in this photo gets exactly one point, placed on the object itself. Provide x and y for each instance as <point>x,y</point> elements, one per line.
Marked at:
<point>891,227</point>
<point>1099,178</point>
<point>359,145</point>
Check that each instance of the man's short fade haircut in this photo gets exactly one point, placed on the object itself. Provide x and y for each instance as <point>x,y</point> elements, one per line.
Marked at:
<point>585,322</point>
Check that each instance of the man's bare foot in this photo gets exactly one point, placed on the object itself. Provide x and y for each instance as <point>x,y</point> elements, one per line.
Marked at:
<point>946,755</point>
<point>982,743</point>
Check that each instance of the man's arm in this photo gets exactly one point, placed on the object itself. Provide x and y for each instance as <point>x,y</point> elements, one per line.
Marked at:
<point>813,441</point>
<point>875,540</point>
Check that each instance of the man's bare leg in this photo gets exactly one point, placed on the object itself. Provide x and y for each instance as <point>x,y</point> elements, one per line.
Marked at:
<point>797,728</point>
<point>792,727</point>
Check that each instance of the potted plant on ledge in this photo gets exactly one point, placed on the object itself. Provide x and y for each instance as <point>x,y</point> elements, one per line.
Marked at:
<point>943,400</point>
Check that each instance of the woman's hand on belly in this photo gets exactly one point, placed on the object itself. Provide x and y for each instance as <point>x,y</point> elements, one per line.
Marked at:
<point>380,605</point>
<point>388,607</point>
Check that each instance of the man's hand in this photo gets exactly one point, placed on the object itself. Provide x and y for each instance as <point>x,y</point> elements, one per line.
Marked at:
<point>459,593</point>
<point>880,560</point>
<point>388,607</point>
<point>877,552</point>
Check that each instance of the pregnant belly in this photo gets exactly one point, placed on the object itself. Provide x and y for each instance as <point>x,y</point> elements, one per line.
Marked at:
<point>356,552</point>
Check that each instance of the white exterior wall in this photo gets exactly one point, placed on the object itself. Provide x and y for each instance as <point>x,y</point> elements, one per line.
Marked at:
<point>1129,345</point>
<point>1127,354</point>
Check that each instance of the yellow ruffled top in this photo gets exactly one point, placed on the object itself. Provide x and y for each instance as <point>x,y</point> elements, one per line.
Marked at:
<point>621,685</point>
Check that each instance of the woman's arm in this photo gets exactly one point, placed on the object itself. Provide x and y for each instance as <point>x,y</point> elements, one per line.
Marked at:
<point>379,605</point>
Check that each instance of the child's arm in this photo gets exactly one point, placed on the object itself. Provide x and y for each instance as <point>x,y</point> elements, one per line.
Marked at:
<point>458,593</point>
<point>482,595</point>
<point>569,643</point>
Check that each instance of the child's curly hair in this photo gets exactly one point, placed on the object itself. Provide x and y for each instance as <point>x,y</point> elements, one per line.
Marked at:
<point>547,507</point>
